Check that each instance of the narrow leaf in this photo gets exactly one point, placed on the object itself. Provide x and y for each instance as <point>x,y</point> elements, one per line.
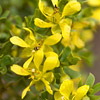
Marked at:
<point>90,80</point>
<point>73,74</point>
<point>93,97</point>
<point>5,15</point>
<point>65,54</point>
<point>96,88</point>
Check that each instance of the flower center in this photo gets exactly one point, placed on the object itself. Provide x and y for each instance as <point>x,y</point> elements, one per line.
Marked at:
<point>56,15</point>
<point>37,46</point>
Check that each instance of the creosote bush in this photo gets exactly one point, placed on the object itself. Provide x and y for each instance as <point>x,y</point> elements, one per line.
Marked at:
<point>43,47</point>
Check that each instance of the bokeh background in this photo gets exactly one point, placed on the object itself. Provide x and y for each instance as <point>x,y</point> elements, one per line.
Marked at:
<point>95,69</point>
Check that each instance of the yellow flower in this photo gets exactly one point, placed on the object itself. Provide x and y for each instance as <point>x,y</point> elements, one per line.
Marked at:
<point>87,35</point>
<point>56,21</point>
<point>36,76</point>
<point>81,27</point>
<point>79,35</point>
<point>94,2</point>
<point>96,14</point>
<point>36,50</point>
<point>15,30</point>
<point>75,40</point>
<point>66,91</point>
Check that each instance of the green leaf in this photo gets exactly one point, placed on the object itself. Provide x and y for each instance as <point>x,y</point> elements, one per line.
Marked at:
<point>29,21</point>
<point>5,15</point>
<point>8,78</point>
<point>96,88</point>
<point>0,10</point>
<point>94,97</point>
<point>80,83</point>
<point>4,37</point>
<point>73,74</point>
<point>6,49</point>
<point>61,4</point>
<point>44,95</point>
<point>66,52</point>
<point>3,69</point>
<point>18,21</point>
<point>73,60</point>
<point>7,60</point>
<point>90,80</point>
<point>87,56</point>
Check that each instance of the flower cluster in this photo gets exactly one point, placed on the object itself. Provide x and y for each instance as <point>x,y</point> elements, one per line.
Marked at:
<point>52,58</point>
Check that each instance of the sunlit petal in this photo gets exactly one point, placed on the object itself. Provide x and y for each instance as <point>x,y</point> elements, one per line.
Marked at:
<point>45,10</point>
<point>31,34</point>
<point>71,8</point>
<point>26,64</point>
<point>19,70</point>
<point>27,89</point>
<point>18,41</point>
<point>38,58</point>
<point>65,29</point>
<point>40,23</point>
<point>66,88</point>
<point>53,39</point>
<point>81,92</point>
<point>55,2</point>
<point>47,84</point>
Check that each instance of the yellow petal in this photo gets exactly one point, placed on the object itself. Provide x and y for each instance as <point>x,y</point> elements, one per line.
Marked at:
<point>78,25</point>
<point>26,64</point>
<point>65,29</point>
<point>45,10</point>
<point>31,34</point>
<point>55,2</point>
<point>58,63</point>
<point>51,54</point>
<point>50,63</point>
<point>64,77</point>
<point>96,14</point>
<point>40,23</point>
<point>55,29</point>
<point>66,42</point>
<point>87,35</point>
<point>66,88</point>
<point>67,21</point>
<point>15,30</point>
<point>19,70</point>
<point>71,8</point>
<point>48,88</point>
<point>38,58</point>
<point>53,39</point>
<point>81,92</point>
<point>26,52</point>
<point>18,41</point>
<point>26,89</point>
<point>47,48</point>
<point>77,41</point>
<point>58,96</point>
<point>49,76</point>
